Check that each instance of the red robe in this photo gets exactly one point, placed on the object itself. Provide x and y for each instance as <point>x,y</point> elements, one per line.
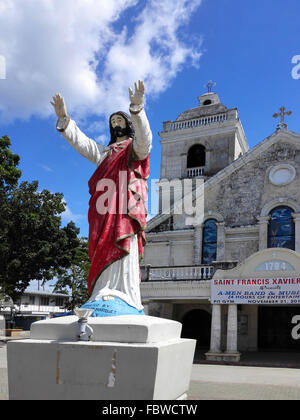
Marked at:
<point>117,209</point>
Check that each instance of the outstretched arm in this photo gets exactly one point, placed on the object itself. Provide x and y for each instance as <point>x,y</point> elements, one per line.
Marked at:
<point>143,136</point>
<point>61,112</point>
<point>87,147</point>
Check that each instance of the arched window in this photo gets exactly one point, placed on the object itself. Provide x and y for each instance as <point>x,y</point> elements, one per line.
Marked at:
<point>209,242</point>
<point>281,229</point>
<point>196,156</point>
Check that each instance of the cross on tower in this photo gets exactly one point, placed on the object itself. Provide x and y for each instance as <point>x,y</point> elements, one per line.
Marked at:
<point>210,85</point>
<point>282,115</point>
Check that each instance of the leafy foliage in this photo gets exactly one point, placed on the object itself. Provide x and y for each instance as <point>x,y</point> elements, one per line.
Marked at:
<point>9,173</point>
<point>74,280</point>
<point>33,246</point>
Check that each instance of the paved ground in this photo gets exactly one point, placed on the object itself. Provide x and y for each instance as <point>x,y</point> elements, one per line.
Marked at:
<point>219,382</point>
<point>3,373</point>
<point>287,359</point>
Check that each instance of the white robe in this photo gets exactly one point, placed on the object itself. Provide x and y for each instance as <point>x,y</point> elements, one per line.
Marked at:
<point>122,278</point>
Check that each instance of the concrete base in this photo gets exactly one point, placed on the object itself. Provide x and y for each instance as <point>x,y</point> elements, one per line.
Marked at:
<point>57,369</point>
<point>223,357</point>
<point>122,329</point>
<point>13,332</point>
<point>214,357</point>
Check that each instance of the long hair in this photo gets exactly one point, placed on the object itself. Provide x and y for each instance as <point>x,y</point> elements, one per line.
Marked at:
<point>129,131</point>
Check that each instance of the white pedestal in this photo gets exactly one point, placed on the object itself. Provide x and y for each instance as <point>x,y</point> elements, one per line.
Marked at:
<point>128,358</point>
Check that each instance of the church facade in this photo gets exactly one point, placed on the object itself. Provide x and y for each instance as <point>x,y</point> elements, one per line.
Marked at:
<point>232,275</point>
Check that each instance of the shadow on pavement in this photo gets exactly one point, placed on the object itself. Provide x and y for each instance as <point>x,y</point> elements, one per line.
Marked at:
<point>284,359</point>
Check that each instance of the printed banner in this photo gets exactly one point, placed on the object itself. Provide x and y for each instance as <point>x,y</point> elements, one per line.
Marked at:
<point>274,291</point>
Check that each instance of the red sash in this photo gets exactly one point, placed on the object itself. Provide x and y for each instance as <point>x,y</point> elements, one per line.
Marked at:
<point>117,208</point>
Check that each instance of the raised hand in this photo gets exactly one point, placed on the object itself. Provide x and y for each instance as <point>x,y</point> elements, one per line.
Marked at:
<point>59,106</point>
<point>137,98</point>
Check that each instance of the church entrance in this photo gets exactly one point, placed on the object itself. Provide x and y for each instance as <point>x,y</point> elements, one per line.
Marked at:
<point>196,324</point>
<point>275,328</point>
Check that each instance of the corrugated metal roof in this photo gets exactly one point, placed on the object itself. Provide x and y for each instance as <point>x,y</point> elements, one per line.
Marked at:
<point>44,293</point>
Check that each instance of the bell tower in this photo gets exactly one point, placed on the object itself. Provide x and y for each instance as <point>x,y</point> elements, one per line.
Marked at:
<point>202,140</point>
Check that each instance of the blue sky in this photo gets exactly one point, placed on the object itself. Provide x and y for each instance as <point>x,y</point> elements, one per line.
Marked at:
<point>91,52</point>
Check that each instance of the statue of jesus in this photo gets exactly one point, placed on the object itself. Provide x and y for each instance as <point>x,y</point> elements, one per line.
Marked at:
<point>117,207</point>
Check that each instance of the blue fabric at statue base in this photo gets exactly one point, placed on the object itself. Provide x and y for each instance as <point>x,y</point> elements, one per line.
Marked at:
<point>114,307</point>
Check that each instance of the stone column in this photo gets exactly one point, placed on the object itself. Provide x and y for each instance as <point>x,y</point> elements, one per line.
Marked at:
<point>263,222</point>
<point>296,217</point>
<point>171,254</point>
<point>232,332</point>
<point>198,233</point>
<point>183,165</point>
<point>221,241</point>
<point>208,160</point>
<point>215,337</point>
<point>215,353</point>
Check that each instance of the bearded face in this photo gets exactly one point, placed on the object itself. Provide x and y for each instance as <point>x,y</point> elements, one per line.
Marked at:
<point>120,126</point>
<point>118,131</point>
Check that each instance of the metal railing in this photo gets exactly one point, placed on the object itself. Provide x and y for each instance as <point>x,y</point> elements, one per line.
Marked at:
<point>195,172</point>
<point>184,273</point>
<point>196,122</point>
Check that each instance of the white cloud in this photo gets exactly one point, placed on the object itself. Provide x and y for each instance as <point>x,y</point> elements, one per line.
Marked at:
<point>68,216</point>
<point>73,47</point>
<point>154,53</point>
<point>102,139</point>
<point>45,167</point>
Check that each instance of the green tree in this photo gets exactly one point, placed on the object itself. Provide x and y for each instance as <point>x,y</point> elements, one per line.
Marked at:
<point>9,173</point>
<point>33,246</point>
<point>74,280</point>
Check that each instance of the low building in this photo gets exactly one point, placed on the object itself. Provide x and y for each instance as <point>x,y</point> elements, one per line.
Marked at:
<point>34,305</point>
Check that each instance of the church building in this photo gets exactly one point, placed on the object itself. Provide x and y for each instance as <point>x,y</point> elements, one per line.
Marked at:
<point>232,275</point>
